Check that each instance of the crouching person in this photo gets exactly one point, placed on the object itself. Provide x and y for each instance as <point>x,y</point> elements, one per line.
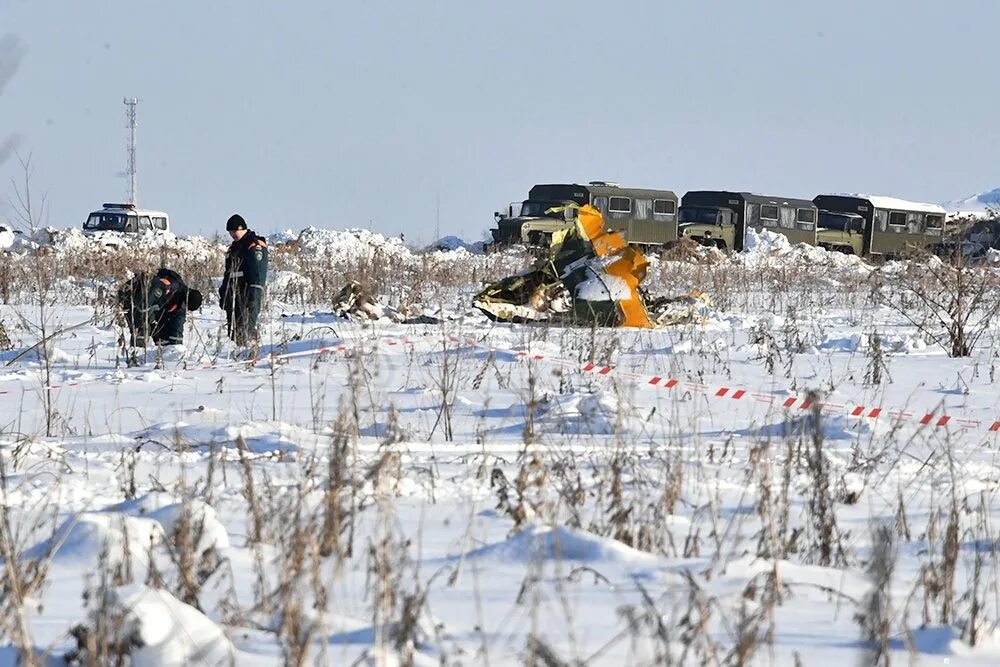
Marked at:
<point>156,307</point>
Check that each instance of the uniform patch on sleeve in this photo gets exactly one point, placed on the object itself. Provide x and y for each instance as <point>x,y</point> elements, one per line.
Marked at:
<point>260,256</point>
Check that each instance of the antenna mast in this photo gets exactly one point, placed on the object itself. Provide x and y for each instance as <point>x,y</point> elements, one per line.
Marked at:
<point>133,180</point>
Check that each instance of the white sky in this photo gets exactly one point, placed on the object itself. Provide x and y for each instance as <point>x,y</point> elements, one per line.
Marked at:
<point>348,113</point>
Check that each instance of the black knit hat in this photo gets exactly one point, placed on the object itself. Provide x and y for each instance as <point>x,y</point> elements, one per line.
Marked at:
<point>194,299</point>
<point>235,222</point>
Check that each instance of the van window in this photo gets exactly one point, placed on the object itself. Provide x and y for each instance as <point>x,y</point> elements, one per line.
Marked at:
<point>897,219</point>
<point>664,207</point>
<point>145,224</point>
<point>620,205</point>
<point>160,223</point>
<point>106,221</point>
<point>768,212</point>
<point>600,202</point>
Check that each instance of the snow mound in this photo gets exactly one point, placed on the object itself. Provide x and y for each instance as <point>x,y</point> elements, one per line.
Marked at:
<point>353,245</point>
<point>71,242</point>
<point>449,243</point>
<point>162,630</point>
<point>600,413</point>
<point>203,519</point>
<point>765,242</point>
<point>288,284</point>
<point>834,427</point>
<point>946,640</point>
<point>280,238</point>
<point>166,511</point>
<point>767,249</point>
<point>259,437</point>
<point>84,538</point>
<point>6,237</point>
<point>538,543</point>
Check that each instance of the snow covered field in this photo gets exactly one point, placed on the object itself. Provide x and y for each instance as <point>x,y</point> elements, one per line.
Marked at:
<point>471,493</point>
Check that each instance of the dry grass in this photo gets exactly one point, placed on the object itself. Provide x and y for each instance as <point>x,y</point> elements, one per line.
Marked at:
<point>304,533</point>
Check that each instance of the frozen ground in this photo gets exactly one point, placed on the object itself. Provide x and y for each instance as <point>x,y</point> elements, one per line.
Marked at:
<point>471,493</point>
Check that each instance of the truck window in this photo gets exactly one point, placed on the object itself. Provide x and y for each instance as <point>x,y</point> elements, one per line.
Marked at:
<point>620,205</point>
<point>805,218</point>
<point>160,223</point>
<point>881,220</point>
<point>145,224</point>
<point>769,212</point>
<point>787,217</point>
<point>664,207</point>
<point>699,214</point>
<point>935,223</point>
<point>642,207</point>
<point>600,202</point>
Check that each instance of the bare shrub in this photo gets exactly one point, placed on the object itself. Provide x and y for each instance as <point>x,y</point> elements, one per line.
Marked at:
<point>952,304</point>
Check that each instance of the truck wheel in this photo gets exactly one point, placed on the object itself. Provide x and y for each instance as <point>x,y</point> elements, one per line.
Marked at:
<point>535,238</point>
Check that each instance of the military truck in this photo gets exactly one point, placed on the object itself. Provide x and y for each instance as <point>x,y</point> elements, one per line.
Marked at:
<point>840,231</point>
<point>721,218</point>
<point>644,217</point>
<point>866,225</point>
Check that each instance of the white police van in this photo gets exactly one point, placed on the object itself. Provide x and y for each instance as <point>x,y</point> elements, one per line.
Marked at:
<point>115,219</point>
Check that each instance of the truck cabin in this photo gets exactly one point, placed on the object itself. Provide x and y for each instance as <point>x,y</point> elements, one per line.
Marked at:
<point>706,215</point>
<point>721,218</point>
<point>891,227</point>
<point>537,208</point>
<point>126,218</point>
<point>841,232</point>
<point>645,217</point>
<point>541,198</point>
<point>540,205</point>
<point>841,222</point>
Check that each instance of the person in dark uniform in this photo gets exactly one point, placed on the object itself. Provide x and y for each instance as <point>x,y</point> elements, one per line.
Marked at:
<point>156,307</point>
<point>242,292</point>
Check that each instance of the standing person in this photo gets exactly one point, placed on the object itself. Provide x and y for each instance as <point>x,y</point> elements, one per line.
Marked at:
<point>242,292</point>
<point>156,307</point>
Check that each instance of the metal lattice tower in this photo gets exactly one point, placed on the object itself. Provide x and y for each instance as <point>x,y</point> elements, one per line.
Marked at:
<point>132,171</point>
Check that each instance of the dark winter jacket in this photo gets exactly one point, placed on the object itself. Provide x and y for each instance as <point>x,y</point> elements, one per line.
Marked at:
<point>156,307</point>
<point>246,272</point>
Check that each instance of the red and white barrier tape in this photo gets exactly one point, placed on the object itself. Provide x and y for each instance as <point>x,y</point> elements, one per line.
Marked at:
<point>933,418</point>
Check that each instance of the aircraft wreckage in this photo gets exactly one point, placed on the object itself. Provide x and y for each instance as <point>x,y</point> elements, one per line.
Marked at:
<point>590,276</point>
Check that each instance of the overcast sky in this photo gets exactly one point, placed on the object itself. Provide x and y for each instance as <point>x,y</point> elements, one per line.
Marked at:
<point>364,114</point>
